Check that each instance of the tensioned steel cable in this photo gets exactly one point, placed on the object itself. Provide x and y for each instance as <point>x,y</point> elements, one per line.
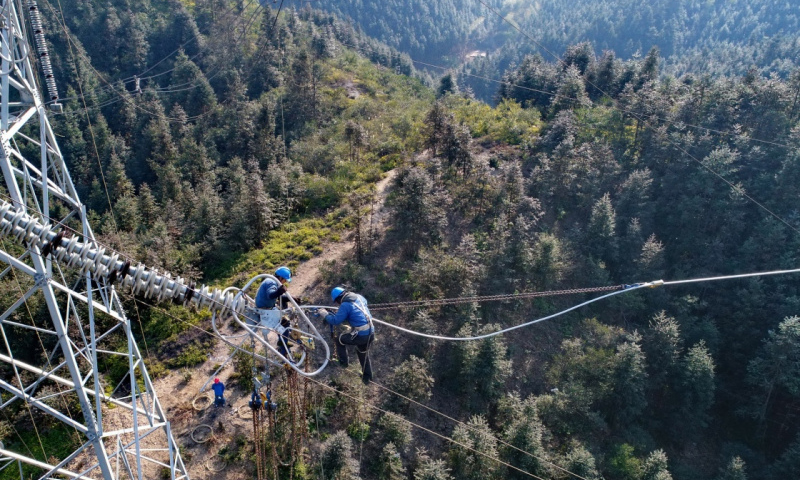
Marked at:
<point>488,298</point>
<point>627,288</point>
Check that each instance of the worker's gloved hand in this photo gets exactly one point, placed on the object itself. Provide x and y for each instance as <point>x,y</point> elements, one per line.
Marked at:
<point>322,313</point>
<point>280,291</point>
<point>285,322</point>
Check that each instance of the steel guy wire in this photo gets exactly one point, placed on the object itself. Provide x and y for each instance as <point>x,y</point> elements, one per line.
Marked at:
<point>489,298</point>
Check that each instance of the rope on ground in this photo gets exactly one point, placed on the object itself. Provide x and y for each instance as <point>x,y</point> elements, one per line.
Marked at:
<point>202,426</point>
<point>220,464</point>
<point>203,407</point>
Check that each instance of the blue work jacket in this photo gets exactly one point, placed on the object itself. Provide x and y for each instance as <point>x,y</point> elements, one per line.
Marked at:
<point>218,388</point>
<point>267,293</point>
<point>352,314</point>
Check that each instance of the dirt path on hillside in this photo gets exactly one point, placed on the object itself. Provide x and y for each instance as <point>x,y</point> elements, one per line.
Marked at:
<point>306,279</point>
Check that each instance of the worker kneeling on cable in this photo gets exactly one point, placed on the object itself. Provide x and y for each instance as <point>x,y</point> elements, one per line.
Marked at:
<point>353,310</point>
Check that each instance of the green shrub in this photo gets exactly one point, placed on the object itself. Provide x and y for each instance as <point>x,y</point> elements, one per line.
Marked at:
<point>194,354</point>
<point>358,431</point>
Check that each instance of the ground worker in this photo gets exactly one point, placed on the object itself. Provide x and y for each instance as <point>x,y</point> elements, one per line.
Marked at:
<point>270,291</point>
<point>353,310</point>
<point>219,389</point>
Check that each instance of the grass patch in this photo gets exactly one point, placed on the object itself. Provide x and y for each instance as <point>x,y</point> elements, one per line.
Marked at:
<point>58,440</point>
<point>287,245</point>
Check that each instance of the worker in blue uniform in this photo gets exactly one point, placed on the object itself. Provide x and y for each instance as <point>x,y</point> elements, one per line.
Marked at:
<point>270,291</point>
<point>219,390</point>
<point>353,310</point>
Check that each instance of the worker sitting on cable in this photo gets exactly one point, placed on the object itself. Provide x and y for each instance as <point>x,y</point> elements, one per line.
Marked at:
<point>270,291</point>
<point>353,310</point>
<point>268,313</point>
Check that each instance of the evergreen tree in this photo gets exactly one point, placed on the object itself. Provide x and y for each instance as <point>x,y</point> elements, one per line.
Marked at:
<point>411,379</point>
<point>395,430</point>
<point>602,230</point>
<point>524,433</point>
<point>447,85</point>
<point>650,67</point>
<point>336,462</point>
<point>190,88</point>
<point>456,148</point>
<point>734,470</point>
<point>581,462</point>
<point>571,93</point>
<point>627,398</point>
<point>465,455</point>
<point>391,465</point>
<point>788,465</point>
<point>776,368</point>
<point>581,56</point>
<point>437,122</point>
<point>482,366</point>
<point>430,469</point>
<point>655,467</point>
<point>696,394</point>
<point>419,208</point>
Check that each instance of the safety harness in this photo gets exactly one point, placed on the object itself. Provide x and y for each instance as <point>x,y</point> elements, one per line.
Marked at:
<point>366,313</point>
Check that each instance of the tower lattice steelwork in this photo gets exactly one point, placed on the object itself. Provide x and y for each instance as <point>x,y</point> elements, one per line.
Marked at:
<point>62,322</point>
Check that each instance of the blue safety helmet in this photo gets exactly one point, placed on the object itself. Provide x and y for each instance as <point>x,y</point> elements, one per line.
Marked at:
<point>285,273</point>
<point>336,293</point>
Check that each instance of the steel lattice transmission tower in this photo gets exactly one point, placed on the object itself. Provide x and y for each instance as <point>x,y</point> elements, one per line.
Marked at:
<point>61,325</point>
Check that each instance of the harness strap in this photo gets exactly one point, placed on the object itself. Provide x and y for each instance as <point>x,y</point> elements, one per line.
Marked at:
<point>369,325</point>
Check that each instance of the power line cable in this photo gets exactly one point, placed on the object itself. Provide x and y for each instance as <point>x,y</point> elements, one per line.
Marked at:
<point>488,298</point>
<point>140,76</point>
<point>133,104</point>
<point>474,429</point>
<point>628,288</point>
<point>432,432</point>
<point>618,290</point>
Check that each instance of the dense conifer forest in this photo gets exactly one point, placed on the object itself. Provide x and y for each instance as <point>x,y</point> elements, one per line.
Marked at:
<point>217,139</point>
<point>700,37</point>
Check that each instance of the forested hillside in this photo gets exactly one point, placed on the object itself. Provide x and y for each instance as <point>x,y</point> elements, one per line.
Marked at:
<point>716,37</point>
<point>217,139</point>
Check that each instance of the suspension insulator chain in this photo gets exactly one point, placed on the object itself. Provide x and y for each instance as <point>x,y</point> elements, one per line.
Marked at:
<point>489,298</point>
<point>41,47</point>
<point>91,258</point>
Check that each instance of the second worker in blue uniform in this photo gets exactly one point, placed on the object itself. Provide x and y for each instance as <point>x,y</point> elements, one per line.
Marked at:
<point>353,310</point>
